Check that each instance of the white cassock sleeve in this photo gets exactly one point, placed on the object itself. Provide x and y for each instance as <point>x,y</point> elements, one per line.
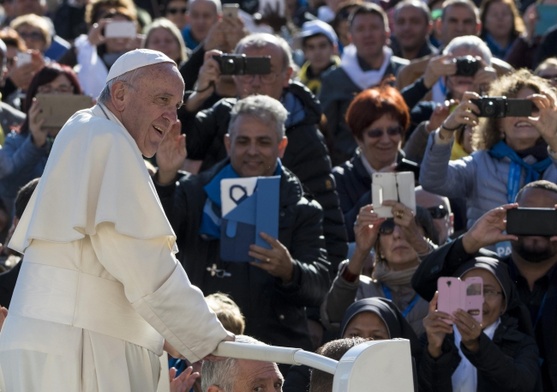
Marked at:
<point>159,290</point>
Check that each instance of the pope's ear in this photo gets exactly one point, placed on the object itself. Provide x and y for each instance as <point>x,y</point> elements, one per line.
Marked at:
<point>118,94</point>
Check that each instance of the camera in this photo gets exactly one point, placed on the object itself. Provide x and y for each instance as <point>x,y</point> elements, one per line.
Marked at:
<point>466,65</point>
<point>240,64</point>
<point>497,107</point>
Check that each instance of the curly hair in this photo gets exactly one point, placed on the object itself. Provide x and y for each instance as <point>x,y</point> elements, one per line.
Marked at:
<point>489,132</point>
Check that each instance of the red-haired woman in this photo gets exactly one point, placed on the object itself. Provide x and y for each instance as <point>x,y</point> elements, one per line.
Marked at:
<point>378,118</point>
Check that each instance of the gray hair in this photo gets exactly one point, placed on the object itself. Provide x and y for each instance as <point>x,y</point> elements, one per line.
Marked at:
<point>262,40</point>
<point>128,77</point>
<point>267,109</point>
<point>223,373</point>
<point>469,42</point>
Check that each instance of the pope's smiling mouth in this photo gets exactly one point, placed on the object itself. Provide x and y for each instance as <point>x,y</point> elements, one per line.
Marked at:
<point>160,131</point>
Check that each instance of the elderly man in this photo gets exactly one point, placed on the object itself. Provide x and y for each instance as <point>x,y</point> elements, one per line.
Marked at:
<point>100,288</point>
<point>364,64</point>
<point>532,265</point>
<point>273,291</point>
<point>459,18</point>
<point>241,375</point>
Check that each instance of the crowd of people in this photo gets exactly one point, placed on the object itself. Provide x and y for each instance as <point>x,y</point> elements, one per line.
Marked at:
<point>125,201</point>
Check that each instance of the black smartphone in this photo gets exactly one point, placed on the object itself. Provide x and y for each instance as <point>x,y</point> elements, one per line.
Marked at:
<point>240,64</point>
<point>532,221</point>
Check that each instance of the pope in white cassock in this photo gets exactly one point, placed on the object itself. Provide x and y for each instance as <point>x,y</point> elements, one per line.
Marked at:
<point>100,289</point>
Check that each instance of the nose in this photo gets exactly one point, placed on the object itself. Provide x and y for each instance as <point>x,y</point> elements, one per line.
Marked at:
<point>171,115</point>
<point>397,232</point>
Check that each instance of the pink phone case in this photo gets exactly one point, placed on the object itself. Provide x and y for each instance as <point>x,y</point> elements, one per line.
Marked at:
<point>457,294</point>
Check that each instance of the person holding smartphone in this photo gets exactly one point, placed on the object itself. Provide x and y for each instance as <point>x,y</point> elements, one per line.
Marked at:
<point>112,32</point>
<point>511,151</point>
<point>25,151</point>
<point>398,243</point>
<point>463,354</point>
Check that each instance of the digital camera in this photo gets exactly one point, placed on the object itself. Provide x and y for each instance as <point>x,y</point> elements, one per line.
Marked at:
<point>466,65</point>
<point>497,107</point>
<point>240,64</point>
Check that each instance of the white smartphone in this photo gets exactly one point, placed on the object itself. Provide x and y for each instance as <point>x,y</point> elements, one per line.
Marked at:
<point>120,29</point>
<point>398,186</point>
<point>230,10</point>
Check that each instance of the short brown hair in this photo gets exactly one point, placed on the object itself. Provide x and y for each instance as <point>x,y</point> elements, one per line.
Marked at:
<point>372,104</point>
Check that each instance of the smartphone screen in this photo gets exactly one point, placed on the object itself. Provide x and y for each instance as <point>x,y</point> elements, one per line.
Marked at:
<point>120,29</point>
<point>532,221</point>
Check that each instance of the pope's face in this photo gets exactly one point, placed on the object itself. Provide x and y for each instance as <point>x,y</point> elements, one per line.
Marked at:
<point>149,104</point>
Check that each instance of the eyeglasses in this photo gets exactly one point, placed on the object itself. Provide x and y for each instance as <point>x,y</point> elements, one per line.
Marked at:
<point>48,89</point>
<point>33,35</point>
<point>438,212</point>
<point>491,293</point>
<point>174,11</point>
<point>376,133</point>
<point>387,227</point>
<point>269,78</point>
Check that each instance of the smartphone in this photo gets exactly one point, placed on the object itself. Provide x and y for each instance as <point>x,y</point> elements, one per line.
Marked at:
<point>230,10</point>
<point>532,221</point>
<point>547,17</point>
<point>120,29</point>
<point>461,294</point>
<point>392,186</point>
<point>23,58</point>
<point>56,109</point>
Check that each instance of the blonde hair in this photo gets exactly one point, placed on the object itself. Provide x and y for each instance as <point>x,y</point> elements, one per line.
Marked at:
<point>227,312</point>
<point>489,132</point>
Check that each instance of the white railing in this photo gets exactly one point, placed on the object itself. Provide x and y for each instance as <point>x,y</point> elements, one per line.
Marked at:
<point>379,365</point>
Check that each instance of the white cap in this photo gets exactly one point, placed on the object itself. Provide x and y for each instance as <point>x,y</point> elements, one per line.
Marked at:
<point>315,27</point>
<point>135,59</point>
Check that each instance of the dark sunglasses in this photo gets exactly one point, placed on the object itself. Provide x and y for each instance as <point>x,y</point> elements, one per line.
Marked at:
<point>387,227</point>
<point>378,132</point>
<point>438,212</point>
<point>174,11</point>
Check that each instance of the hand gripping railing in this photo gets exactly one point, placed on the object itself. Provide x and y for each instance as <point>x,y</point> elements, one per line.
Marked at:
<point>382,365</point>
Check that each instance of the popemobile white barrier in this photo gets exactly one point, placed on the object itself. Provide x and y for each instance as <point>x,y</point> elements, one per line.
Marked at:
<point>378,365</point>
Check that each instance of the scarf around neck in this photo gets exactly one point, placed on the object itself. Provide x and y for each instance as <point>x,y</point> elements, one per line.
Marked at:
<point>532,171</point>
<point>363,79</point>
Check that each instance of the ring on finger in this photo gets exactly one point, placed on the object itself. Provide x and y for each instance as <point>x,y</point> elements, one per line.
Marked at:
<point>399,214</point>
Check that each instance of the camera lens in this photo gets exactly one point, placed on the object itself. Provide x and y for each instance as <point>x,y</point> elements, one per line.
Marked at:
<point>228,66</point>
<point>489,109</point>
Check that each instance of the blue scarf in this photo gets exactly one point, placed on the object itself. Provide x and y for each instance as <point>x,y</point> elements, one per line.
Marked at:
<point>533,172</point>
<point>212,210</point>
